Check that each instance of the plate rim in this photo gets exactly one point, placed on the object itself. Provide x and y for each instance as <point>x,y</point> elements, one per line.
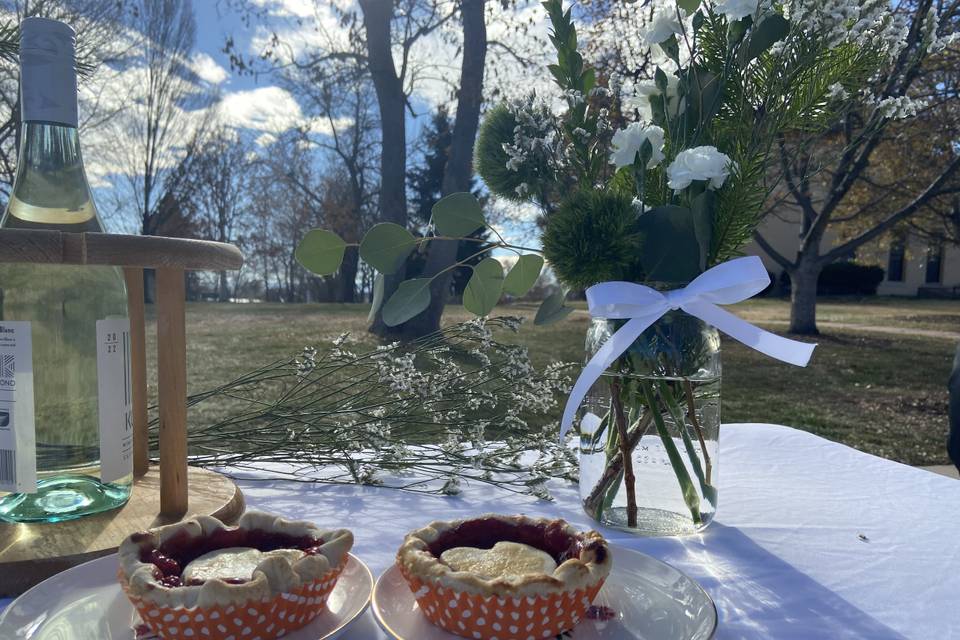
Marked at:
<point>367,573</point>
<point>378,616</point>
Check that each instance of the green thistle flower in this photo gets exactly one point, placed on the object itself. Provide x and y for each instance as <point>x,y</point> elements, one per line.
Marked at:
<point>593,238</point>
<point>490,157</point>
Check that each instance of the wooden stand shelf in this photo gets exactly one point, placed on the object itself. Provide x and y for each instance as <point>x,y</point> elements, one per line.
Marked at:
<point>30,553</point>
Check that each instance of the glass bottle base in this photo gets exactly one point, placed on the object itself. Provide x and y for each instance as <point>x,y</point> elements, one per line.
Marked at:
<point>654,522</point>
<point>64,498</point>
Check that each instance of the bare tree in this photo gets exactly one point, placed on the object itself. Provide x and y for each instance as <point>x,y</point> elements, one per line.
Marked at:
<point>223,175</point>
<point>288,215</point>
<point>162,113</point>
<point>821,175</point>
<point>338,94</point>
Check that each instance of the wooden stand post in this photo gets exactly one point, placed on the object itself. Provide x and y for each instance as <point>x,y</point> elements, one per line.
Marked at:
<point>138,369</point>
<point>172,390</point>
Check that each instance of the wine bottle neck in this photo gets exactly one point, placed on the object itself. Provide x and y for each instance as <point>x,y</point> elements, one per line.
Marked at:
<point>50,190</point>
<point>48,76</point>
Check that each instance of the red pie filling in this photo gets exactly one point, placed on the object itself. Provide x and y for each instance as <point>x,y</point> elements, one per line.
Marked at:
<point>181,549</point>
<point>483,533</point>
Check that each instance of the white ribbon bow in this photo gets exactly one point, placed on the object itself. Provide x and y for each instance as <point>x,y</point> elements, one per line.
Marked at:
<point>726,283</point>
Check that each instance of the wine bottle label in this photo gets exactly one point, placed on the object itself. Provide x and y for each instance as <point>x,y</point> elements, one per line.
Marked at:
<point>18,447</point>
<point>114,399</point>
<point>48,79</point>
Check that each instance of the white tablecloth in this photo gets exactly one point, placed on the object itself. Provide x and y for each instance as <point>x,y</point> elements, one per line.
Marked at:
<point>785,558</point>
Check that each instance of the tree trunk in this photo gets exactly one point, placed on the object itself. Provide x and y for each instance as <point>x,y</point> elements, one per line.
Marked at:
<point>458,173</point>
<point>803,297</point>
<point>223,295</point>
<point>347,281</point>
<point>377,15</point>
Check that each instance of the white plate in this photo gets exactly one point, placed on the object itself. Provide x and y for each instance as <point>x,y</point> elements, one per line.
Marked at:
<point>652,601</point>
<point>86,603</point>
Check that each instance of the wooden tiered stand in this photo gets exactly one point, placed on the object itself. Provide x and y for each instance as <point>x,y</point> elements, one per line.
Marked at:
<point>171,491</point>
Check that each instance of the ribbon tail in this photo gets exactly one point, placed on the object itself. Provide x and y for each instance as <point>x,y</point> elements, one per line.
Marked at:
<point>784,349</point>
<point>601,361</point>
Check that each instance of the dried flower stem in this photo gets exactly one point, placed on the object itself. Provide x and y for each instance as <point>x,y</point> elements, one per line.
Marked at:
<point>692,414</point>
<point>611,473</point>
<point>625,453</point>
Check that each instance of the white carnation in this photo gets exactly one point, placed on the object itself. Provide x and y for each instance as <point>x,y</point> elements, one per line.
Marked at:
<point>699,163</point>
<point>736,9</point>
<point>627,142</point>
<point>645,89</point>
<point>665,23</point>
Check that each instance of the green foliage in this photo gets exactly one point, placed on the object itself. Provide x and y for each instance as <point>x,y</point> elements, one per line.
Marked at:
<point>769,31</point>
<point>670,251</point>
<point>484,288</point>
<point>490,159</point>
<point>386,245</point>
<point>458,214</point>
<point>593,237</point>
<point>320,251</point>
<point>411,298</point>
<point>523,275</point>
<point>552,309</point>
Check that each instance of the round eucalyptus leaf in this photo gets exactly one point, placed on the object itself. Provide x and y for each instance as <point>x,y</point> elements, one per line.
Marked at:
<point>484,288</point>
<point>386,245</point>
<point>377,301</point>
<point>320,251</point>
<point>523,275</point>
<point>410,298</point>
<point>457,214</point>
<point>552,309</point>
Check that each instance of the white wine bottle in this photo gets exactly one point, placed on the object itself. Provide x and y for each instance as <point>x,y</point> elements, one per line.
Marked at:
<point>64,333</point>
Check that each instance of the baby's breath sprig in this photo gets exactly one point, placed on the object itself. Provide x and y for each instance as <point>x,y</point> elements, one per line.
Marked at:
<point>455,408</point>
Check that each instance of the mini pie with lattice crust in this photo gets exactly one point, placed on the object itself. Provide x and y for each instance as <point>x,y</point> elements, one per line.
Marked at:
<point>504,577</point>
<point>265,577</point>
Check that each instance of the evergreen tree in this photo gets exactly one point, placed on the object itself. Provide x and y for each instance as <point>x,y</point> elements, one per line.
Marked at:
<point>424,182</point>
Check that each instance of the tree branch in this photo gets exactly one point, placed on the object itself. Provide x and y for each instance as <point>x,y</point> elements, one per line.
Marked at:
<point>930,192</point>
<point>773,253</point>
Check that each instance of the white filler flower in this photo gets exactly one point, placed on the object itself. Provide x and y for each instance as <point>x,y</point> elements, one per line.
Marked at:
<point>736,9</point>
<point>627,142</point>
<point>664,24</point>
<point>699,163</point>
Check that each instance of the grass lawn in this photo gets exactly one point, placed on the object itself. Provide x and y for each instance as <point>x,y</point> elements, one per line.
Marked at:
<point>884,393</point>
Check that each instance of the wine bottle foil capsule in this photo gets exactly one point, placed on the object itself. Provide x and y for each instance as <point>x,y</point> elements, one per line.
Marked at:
<point>48,76</point>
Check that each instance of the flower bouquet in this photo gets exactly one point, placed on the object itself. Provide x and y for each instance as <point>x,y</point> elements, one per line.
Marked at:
<point>647,191</point>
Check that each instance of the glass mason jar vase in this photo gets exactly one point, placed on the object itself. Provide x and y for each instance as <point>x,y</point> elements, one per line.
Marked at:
<point>660,401</point>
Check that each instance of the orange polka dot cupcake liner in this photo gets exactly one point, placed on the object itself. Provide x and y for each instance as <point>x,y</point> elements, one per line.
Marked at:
<point>506,618</point>
<point>263,620</point>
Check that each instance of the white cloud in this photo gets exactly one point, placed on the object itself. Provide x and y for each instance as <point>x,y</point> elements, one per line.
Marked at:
<point>208,69</point>
<point>292,8</point>
<point>268,109</point>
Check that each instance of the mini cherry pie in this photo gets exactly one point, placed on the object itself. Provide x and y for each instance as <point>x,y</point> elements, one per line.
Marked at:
<point>201,579</point>
<point>504,577</point>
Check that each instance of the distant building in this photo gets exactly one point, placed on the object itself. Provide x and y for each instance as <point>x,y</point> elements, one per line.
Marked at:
<point>912,266</point>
